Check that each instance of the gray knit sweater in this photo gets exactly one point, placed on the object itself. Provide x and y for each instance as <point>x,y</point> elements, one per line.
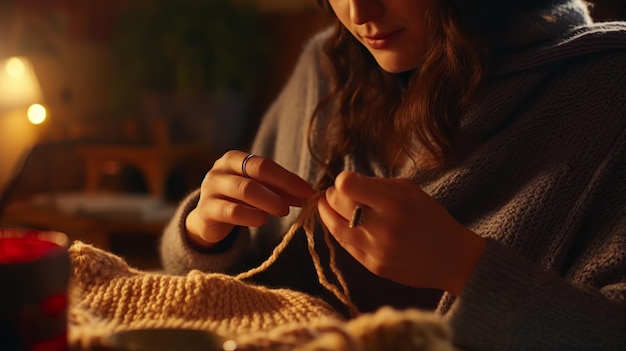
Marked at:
<point>544,181</point>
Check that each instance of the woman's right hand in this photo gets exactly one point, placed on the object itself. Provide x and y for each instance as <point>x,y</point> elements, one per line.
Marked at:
<point>229,199</point>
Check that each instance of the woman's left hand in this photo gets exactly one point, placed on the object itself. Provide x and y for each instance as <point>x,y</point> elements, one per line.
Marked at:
<point>405,235</point>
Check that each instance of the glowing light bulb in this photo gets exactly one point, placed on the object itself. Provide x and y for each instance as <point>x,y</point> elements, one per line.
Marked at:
<point>229,345</point>
<point>36,114</point>
<point>15,67</point>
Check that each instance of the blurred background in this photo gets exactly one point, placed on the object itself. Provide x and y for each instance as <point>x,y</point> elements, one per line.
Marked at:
<point>112,110</point>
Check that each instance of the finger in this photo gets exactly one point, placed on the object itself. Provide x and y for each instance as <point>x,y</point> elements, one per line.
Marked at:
<point>249,192</point>
<point>270,173</point>
<point>343,205</point>
<point>224,211</point>
<point>372,192</point>
<point>353,213</point>
<point>355,240</point>
<point>290,200</point>
<point>337,224</point>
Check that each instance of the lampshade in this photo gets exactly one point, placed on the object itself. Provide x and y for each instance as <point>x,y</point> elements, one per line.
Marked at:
<point>19,87</point>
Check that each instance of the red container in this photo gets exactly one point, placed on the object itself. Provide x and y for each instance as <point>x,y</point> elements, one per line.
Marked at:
<point>34,276</point>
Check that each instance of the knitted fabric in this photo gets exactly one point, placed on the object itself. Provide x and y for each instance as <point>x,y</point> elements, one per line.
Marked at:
<point>109,296</point>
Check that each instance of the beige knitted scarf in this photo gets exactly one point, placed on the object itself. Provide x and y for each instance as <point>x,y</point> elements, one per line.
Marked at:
<point>107,296</point>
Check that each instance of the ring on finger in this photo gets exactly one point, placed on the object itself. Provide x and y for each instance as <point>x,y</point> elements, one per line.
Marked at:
<point>357,217</point>
<point>243,165</point>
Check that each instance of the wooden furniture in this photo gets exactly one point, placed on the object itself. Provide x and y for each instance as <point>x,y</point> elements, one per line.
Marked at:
<point>101,232</point>
<point>55,172</point>
<point>154,161</point>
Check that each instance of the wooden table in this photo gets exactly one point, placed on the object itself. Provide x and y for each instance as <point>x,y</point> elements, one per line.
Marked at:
<point>97,231</point>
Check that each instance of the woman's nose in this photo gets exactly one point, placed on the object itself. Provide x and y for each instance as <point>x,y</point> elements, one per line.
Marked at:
<point>363,11</point>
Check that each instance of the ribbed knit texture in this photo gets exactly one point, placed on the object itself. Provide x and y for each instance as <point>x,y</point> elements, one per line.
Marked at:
<point>108,296</point>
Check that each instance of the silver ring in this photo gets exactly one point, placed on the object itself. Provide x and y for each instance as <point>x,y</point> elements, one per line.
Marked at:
<point>357,217</point>
<point>243,165</point>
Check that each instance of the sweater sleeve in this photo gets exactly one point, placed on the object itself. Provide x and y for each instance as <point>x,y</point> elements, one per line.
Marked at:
<point>510,303</point>
<point>178,256</point>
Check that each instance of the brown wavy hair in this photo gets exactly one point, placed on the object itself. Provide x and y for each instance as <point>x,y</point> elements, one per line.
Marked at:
<point>414,113</point>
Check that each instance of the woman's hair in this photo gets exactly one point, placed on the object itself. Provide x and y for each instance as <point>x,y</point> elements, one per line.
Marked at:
<point>416,113</point>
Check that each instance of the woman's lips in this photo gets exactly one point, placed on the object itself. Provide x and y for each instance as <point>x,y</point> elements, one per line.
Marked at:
<point>380,41</point>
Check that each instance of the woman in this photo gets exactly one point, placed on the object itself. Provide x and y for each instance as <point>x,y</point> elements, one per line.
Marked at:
<point>472,159</point>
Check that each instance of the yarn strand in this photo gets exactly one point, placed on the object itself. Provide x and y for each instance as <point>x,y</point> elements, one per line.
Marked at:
<point>307,220</point>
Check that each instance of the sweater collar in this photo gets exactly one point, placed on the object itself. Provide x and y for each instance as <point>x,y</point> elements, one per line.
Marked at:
<point>531,28</point>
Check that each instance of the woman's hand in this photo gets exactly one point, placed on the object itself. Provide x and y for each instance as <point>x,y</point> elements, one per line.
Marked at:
<point>405,236</point>
<point>228,198</point>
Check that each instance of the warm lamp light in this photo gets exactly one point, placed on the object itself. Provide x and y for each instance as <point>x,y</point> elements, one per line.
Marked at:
<point>36,114</point>
<point>19,87</point>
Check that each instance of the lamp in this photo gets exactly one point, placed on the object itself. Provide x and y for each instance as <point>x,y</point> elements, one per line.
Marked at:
<point>20,96</point>
<point>19,87</point>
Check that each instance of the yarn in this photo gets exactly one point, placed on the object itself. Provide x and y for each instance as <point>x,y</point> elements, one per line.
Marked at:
<point>107,295</point>
<point>306,220</point>
<point>385,329</point>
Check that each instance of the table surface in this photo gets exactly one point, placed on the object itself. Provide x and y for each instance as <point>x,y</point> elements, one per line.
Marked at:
<point>105,233</point>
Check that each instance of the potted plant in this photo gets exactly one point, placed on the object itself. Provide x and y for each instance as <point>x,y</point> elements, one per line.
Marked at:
<point>176,57</point>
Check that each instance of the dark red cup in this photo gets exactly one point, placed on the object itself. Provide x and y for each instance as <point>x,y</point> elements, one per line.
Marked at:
<point>34,271</point>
